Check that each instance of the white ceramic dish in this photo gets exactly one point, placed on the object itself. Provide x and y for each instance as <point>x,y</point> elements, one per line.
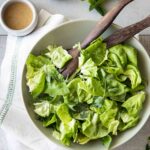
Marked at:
<point>67,35</point>
<point>24,31</point>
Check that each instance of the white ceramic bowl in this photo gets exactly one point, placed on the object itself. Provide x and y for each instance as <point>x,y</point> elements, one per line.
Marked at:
<point>67,35</point>
<point>21,32</point>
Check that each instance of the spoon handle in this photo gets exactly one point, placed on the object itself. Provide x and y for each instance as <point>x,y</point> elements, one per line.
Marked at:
<point>104,23</point>
<point>127,32</point>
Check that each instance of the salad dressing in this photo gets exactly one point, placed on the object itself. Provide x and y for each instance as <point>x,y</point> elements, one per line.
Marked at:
<point>18,16</point>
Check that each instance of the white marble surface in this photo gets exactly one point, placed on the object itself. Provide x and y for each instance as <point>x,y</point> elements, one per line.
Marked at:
<point>74,9</point>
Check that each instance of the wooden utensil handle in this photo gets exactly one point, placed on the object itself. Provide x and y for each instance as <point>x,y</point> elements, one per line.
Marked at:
<point>104,23</point>
<point>127,32</point>
<point>101,26</point>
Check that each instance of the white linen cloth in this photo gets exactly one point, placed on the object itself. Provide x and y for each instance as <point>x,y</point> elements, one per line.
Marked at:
<point>17,132</point>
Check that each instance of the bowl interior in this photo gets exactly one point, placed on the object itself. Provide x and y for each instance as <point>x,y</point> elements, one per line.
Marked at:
<point>67,35</point>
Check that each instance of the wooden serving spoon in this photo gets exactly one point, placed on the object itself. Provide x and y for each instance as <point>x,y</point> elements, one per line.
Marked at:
<point>100,27</point>
<point>126,33</point>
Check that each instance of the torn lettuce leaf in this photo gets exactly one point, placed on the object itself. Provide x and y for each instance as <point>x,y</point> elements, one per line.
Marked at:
<point>37,61</point>
<point>124,126</point>
<point>113,64</point>
<point>84,96</point>
<point>55,84</point>
<point>30,71</point>
<point>120,53</point>
<point>72,97</point>
<point>68,131</point>
<point>63,113</point>
<point>108,115</point>
<point>97,104</point>
<point>44,108</point>
<point>52,119</point>
<point>68,126</point>
<point>55,88</point>
<point>89,68</point>
<point>113,126</point>
<point>78,94</point>
<point>59,56</point>
<point>82,115</point>
<point>134,75</point>
<point>36,84</point>
<point>92,86</point>
<point>131,54</point>
<point>125,53</point>
<point>96,51</point>
<point>116,62</point>
<point>82,139</point>
<point>92,127</point>
<point>130,116</point>
<point>134,104</point>
<point>52,73</point>
<point>107,140</point>
<point>114,87</point>
<point>35,74</point>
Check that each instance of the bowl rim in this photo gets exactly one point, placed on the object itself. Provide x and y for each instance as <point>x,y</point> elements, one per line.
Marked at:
<point>51,30</point>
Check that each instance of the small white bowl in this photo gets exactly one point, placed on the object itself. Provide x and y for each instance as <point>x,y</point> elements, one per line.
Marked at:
<point>21,32</point>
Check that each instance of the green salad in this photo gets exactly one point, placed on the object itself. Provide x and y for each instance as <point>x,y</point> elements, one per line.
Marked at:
<point>103,98</point>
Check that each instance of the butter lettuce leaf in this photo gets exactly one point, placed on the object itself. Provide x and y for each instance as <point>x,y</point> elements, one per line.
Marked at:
<point>63,113</point>
<point>72,97</point>
<point>118,50</point>
<point>107,140</point>
<point>36,84</point>
<point>134,104</point>
<point>44,108</point>
<point>108,116</point>
<point>92,86</point>
<point>82,139</point>
<point>78,94</point>
<point>68,126</point>
<point>37,61</point>
<point>68,131</point>
<point>82,115</point>
<point>59,56</point>
<point>35,74</point>
<point>97,105</point>
<point>55,84</point>
<point>51,120</point>
<point>131,123</point>
<point>92,128</point>
<point>114,87</point>
<point>89,68</point>
<point>131,54</point>
<point>55,88</point>
<point>134,75</point>
<point>96,51</point>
